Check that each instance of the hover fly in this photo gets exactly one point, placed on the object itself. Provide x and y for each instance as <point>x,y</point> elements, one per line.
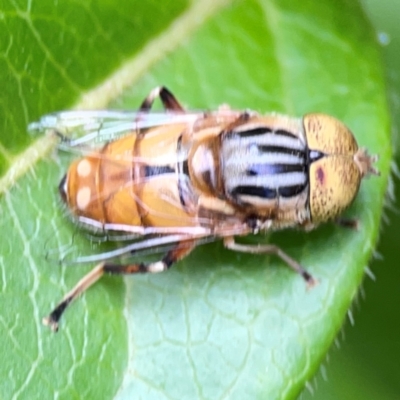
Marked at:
<point>180,178</point>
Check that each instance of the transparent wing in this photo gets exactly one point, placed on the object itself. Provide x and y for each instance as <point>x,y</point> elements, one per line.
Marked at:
<point>80,128</point>
<point>73,253</point>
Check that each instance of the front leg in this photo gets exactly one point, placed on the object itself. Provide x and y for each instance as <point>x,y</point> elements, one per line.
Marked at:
<point>229,243</point>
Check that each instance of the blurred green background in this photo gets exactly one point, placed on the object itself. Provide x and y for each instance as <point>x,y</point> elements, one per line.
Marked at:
<point>365,362</point>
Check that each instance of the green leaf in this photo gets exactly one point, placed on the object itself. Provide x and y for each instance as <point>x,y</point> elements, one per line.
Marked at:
<point>219,324</point>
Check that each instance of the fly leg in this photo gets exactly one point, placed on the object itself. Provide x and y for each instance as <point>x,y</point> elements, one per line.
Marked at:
<point>229,243</point>
<point>181,250</point>
<point>348,223</point>
<point>169,101</point>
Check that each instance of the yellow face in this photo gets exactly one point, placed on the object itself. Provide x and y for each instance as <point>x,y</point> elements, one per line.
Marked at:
<point>334,178</point>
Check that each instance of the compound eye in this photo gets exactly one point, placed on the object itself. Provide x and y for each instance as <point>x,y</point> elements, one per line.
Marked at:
<point>62,189</point>
<point>328,135</point>
<point>337,166</point>
<point>334,183</point>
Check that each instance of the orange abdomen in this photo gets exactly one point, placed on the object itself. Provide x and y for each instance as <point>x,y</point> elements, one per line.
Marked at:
<point>132,181</point>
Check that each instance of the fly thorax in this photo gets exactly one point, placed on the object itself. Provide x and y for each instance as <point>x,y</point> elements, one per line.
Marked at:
<point>266,169</point>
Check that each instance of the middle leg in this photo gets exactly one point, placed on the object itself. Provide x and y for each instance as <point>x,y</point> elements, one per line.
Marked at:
<point>230,243</point>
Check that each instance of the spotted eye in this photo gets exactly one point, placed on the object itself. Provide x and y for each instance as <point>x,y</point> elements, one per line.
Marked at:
<point>335,177</point>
